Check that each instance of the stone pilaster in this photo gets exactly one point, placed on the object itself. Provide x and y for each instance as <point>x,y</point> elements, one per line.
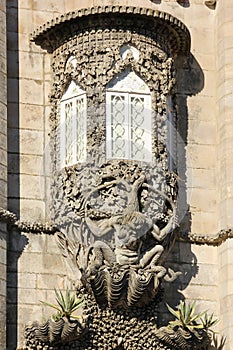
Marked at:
<point>224,12</point>
<point>3,171</point>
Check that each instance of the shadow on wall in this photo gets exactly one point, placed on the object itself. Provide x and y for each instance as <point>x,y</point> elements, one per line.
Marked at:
<point>16,242</point>
<point>16,245</point>
<point>184,3</point>
<point>190,81</point>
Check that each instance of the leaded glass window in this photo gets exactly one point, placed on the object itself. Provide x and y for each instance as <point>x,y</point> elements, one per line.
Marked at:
<point>128,118</point>
<point>73,125</point>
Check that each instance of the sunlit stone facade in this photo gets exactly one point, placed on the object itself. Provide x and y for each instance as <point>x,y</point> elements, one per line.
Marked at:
<point>31,264</point>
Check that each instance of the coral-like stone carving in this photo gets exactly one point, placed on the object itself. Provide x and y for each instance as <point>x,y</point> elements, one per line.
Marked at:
<point>173,31</point>
<point>115,218</point>
<point>133,329</point>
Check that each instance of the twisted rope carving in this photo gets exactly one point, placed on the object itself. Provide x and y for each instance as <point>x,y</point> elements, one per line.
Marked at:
<point>211,240</point>
<point>25,226</point>
<point>11,219</point>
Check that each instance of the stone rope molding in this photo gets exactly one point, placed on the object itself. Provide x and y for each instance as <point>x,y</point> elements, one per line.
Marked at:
<point>11,219</point>
<point>211,240</point>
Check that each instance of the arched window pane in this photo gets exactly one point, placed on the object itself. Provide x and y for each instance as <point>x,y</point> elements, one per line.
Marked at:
<point>128,118</point>
<point>80,128</point>
<point>68,132</point>
<point>73,126</point>
<point>118,126</point>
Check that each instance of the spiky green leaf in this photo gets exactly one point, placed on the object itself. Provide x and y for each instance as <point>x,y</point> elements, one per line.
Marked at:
<point>59,298</point>
<point>51,305</point>
<point>173,312</point>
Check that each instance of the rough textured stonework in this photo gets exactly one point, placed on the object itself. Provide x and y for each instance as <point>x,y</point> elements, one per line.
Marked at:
<point>85,236</point>
<point>177,41</point>
<point>118,329</point>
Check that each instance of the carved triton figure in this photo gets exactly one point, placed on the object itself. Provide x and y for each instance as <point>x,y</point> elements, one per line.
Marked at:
<point>129,227</point>
<point>123,248</point>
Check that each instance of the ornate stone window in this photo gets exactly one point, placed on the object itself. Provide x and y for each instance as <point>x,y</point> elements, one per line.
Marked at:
<point>128,118</point>
<point>73,125</point>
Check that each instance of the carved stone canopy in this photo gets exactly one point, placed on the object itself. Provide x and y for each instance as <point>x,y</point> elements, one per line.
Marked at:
<point>53,33</point>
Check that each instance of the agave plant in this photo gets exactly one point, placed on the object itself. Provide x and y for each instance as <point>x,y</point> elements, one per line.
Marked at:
<point>186,316</point>
<point>218,344</point>
<point>208,321</point>
<point>66,305</point>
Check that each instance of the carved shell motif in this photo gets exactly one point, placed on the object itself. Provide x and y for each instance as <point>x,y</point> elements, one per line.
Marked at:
<point>54,333</point>
<point>123,286</point>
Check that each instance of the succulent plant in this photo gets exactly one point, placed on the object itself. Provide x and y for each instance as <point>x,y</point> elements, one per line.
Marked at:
<point>186,316</point>
<point>208,321</point>
<point>218,343</point>
<point>66,305</point>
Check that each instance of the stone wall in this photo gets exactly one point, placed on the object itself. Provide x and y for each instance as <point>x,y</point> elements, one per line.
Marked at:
<point>224,101</point>
<point>3,171</point>
<point>35,266</point>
